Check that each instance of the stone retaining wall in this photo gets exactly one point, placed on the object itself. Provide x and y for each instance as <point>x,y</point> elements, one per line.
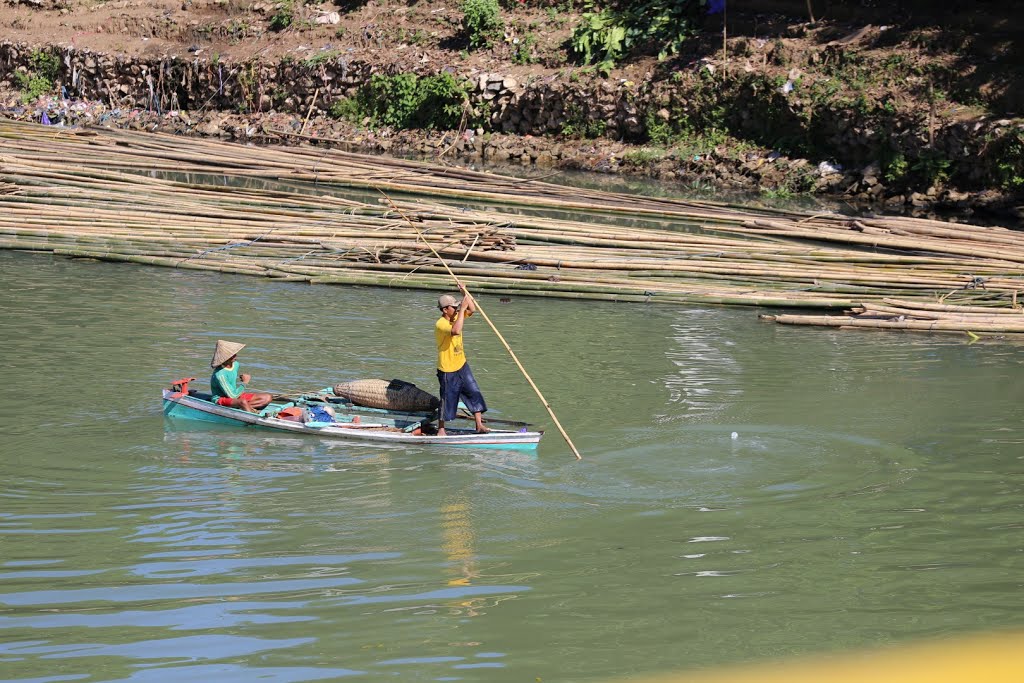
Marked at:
<point>174,83</point>
<point>547,106</point>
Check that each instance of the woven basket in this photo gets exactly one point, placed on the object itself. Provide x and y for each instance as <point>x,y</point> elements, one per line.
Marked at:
<point>391,395</point>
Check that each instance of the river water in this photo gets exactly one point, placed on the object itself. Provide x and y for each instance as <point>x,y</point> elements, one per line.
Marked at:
<point>748,491</point>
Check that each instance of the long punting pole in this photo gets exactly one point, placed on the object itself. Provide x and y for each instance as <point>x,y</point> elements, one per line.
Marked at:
<point>504,343</point>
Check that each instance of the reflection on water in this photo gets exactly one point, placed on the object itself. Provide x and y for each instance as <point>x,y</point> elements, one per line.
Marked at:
<point>747,491</point>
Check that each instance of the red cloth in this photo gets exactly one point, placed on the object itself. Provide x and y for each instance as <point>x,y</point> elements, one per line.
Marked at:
<point>225,401</point>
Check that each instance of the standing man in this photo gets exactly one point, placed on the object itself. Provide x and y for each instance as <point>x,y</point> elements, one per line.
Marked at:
<point>453,371</point>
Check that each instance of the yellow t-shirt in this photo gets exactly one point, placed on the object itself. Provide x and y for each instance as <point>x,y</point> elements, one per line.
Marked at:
<point>450,356</point>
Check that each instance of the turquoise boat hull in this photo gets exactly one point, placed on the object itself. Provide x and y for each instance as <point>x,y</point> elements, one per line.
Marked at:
<point>354,423</point>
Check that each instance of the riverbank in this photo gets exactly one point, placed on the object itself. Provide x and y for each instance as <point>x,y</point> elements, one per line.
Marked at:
<point>902,117</point>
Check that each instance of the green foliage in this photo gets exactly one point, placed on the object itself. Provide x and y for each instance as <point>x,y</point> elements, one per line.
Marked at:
<point>599,39</point>
<point>32,86</point>
<point>579,125</point>
<point>45,64</point>
<point>780,192</point>
<point>932,167</point>
<point>481,22</point>
<point>40,80</point>
<point>522,52</point>
<point>442,101</point>
<point>321,57</point>
<point>1010,162</point>
<point>411,37</point>
<point>608,36</point>
<point>284,15</point>
<point>690,143</point>
<point>658,130</point>
<point>248,78</point>
<point>392,100</point>
<point>895,167</point>
<point>407,101</point>
<point>346,109</point>
<point>642,156</point>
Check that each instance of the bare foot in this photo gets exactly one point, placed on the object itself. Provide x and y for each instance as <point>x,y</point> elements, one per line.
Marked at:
<point>480,429</point>
<point>441,432</point>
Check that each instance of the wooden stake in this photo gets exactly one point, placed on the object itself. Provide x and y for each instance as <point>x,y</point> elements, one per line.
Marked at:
<point>311,105</point>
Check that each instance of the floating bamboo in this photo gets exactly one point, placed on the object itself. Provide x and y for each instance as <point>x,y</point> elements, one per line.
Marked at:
<point>111,195</point>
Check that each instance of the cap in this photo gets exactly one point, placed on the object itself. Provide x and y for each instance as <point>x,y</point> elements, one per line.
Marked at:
<point>447,300</point>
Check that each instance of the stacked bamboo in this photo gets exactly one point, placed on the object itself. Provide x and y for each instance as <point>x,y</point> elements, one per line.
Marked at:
<point>897,314</point>
<point>108,195</point>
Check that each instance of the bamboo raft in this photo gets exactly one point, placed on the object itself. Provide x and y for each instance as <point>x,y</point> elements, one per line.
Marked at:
<point>107,195</point>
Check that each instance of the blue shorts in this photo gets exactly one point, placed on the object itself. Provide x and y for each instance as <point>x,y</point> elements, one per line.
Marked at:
<point>456,386</point>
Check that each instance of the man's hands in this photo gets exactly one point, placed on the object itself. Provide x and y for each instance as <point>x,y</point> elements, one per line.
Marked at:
<point>467,303</point>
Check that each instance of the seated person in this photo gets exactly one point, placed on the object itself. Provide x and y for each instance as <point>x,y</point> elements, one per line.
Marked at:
<point>227,385</point>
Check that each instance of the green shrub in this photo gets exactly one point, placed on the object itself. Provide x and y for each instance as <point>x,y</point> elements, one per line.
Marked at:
<point>45,64</point>
<point>579,125</point>
<point>1010,162</point>
<point>932,167</point>
<point>441,102</point>
<point>393,100</point>
<point>599,39</point>
<point>522,52</point>
<point>284,15</point>
<point>481,22</point>
<point>658,130</point>
<point>643,155</point>
<point>608,36</point>
<point>322,57</point>
<point>894,167</point>
<point>40,80</point>
<point>407,101</point>
<point>32,86</point>
<point>347,109</point>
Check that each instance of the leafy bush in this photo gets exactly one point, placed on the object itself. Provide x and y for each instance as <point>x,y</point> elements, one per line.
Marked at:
<point>578,124</point>
<point>40,80</point>
<point>283,16</point>
<point>481,22</point>
<point>932,167</point>
<point>32,86</point>
<point>407,101</point>
<point>522,52</point>
<point>894,166</point>
<point>347,108</point>
<point>441,102</point>
<point>608,36</point>
<point>599,38</point>
<point>45,64</point>
<point>659,131</point>
<point>1010,163</point>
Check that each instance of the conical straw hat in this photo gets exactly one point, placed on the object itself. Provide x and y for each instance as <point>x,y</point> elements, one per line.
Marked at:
<point>224,350</point>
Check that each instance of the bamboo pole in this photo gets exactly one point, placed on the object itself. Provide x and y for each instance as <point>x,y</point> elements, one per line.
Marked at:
<point>71,191</point>
<point>504,343</point>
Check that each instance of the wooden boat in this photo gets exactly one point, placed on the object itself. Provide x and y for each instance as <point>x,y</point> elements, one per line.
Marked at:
<point>349,421</point>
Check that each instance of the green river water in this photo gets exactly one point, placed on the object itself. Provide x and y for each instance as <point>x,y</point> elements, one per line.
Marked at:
<point>748,491</point>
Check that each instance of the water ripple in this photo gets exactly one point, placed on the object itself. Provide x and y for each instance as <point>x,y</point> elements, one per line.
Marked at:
<point>168,591</point>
